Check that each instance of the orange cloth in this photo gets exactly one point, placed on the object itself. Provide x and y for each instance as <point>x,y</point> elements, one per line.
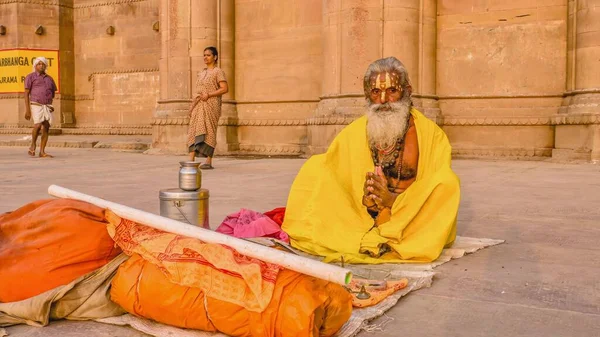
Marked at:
<point>300,306</point>
<point>142,289</point>
<point>219,271</point>
<point>49,243</point>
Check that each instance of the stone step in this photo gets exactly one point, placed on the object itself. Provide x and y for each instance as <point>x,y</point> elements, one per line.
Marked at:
<point>82,131</point>
<point>116,143</point>
<point>123,146</point>
<point>108,131</point>
<point>51,143</point>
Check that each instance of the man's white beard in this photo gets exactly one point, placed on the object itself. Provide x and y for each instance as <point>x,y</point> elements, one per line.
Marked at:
<point>384,127</point>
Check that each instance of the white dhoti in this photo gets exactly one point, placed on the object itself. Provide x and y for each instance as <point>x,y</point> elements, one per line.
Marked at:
<point>41,112</point>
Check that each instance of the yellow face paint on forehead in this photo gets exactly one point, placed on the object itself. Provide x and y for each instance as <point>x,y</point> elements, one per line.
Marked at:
<point>384,81</point>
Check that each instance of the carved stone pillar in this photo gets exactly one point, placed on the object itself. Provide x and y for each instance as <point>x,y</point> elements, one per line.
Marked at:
<point>66,55</point>
<point>356,33</point>
<point>227,134</point>
<point>578,123</point>
<point>424,92</point>
<point>187,27</point>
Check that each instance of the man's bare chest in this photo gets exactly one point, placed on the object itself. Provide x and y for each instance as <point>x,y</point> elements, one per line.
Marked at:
<point>403,172</point>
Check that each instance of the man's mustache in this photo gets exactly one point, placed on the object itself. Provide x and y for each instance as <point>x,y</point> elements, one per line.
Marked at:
<point>385,107</point>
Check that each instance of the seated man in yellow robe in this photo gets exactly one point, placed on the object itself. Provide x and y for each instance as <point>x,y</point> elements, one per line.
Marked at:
<point>384,191</point>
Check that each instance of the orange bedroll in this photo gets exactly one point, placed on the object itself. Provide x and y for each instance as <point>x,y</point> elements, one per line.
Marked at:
<point>49,243</point>
<point>301,305</point>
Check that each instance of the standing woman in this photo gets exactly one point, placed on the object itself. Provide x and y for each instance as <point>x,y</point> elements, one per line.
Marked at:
<point>206,109</point>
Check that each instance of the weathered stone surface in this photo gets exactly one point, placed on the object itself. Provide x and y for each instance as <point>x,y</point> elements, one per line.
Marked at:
<point>542,282</point>
<point>472,64</point>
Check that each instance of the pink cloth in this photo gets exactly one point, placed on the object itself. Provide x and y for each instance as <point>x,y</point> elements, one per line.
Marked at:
<point>250,224</point>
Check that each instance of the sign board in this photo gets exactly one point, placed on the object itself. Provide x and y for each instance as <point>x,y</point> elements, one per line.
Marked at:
<point>16,64</point>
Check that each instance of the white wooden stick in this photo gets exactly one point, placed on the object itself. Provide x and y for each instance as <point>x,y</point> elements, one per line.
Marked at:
<point>289,261</point>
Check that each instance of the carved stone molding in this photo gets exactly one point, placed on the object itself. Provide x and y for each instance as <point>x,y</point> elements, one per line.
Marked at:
<point>35,2</point>
<point>62,97</point>
<point>12,126</point>
<point>445,121</point>
<point>122,71</point>
<point>133,129</point>
<point>448,97</point>
<point>451,97</point>
<point>521,153</point>
<point>291,150</point>
<point>11,96</point>
<point>345,120</point>
<point>111,132</point>
<point>11,131</point>
<point>270,122</point>
<point>115,126</point>
<point>171,121</point>
<point>576,119</point>
<point>106,3</point>
<point>521,121</point>
<point>15,129</point>
<point>331,120</point>
<point>274,102</point>
<point>80,6</point>
<point>494,121</point>
<point>230,121</point>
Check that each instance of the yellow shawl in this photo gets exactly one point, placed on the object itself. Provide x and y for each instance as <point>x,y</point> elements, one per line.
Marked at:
<point>325,215</point>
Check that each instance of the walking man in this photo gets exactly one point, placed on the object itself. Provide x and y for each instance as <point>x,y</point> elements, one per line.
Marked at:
<point>39,92</point>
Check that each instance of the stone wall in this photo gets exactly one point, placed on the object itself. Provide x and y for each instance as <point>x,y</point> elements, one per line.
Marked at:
<point>503,78</point>
<point>501,74</point>
<point>278,73</point>
<point>116,77</point>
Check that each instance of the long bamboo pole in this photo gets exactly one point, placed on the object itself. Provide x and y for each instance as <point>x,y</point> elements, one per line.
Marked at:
<point>290,261</point>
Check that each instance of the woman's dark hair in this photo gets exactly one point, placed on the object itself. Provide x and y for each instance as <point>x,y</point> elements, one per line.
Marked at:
<point>214,51</point>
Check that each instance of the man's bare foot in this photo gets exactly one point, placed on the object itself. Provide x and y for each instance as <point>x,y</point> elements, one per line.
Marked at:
<point>45,155</point>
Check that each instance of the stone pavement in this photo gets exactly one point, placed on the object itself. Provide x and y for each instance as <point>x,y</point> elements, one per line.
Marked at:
<point>542,282</point>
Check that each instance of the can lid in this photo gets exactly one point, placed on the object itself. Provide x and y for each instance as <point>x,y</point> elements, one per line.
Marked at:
<point>179,194</point>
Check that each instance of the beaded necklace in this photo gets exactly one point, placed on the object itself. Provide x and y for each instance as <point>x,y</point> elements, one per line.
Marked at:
<point>386,157</point>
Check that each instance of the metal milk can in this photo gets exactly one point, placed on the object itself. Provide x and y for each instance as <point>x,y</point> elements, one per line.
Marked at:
<point>185,206</point>
<point>190,176</point>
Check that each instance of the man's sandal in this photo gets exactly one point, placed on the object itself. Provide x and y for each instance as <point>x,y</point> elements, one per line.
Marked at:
<point>31,152</point>
<point>206,167</point>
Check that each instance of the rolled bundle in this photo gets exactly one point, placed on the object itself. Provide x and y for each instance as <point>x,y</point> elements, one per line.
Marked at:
<point>50,243</point>
<point>301,305</point>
